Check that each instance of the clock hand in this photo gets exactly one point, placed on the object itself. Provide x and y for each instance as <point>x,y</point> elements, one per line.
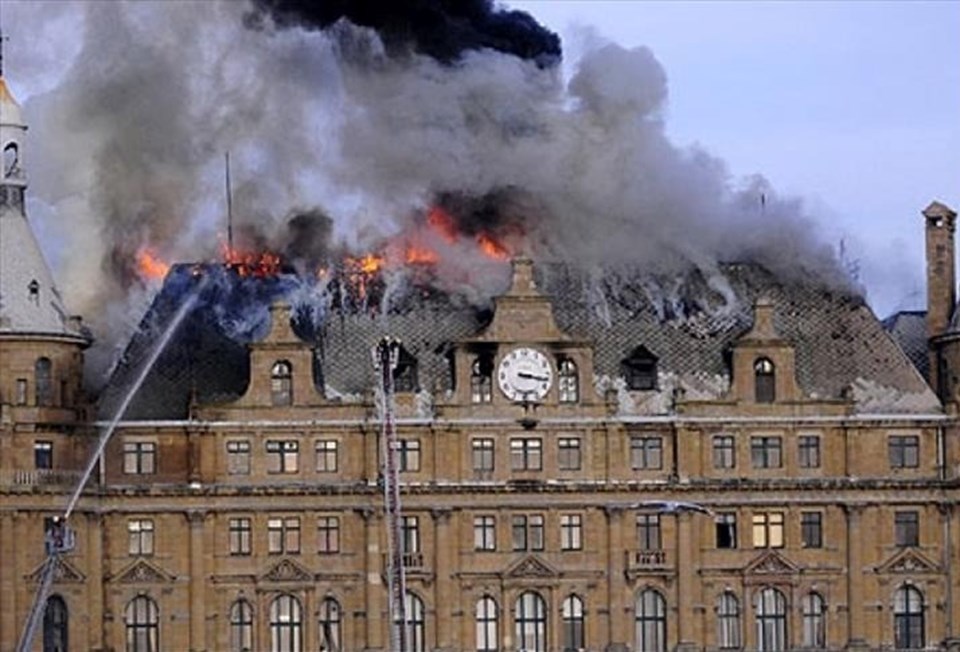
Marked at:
<point>524,374</point>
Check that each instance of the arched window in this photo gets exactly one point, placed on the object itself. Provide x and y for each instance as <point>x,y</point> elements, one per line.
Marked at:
<point>11,160</point>
<point>281,383</point>
<point>568,381</point>
<point>415,631</point>
<point>241,626</point>
<point>44,383</point>
<point>908,627</point>
<point>771,610</point>
<point>571,611</point>
<point>55,625</point>
<point>814,621</point>
<point>640,369</point>
<point>651,621</point>
<point>142,620</point>
<point>728,621</point>
<point>481,380</point>
<point>331,626</point>
<point>764,381</point>
<point>286,624</point>
<point>530,614</point>
<point>488,634</point>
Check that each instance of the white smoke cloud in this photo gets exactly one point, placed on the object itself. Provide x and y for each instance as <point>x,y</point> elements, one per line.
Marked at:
<point>128,143</point>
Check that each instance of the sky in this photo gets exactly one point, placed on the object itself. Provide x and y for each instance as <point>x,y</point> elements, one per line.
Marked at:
<point>852,106</point>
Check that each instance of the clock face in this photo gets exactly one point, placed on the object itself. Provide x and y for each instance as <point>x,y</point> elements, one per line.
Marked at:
<point>525,374</point>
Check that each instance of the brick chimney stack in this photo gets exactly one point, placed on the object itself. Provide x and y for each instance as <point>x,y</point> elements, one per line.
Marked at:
<point>941,277</point>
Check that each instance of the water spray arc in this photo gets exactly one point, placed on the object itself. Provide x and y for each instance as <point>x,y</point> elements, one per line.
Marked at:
<point>386,356</point>
<point>60,538</point>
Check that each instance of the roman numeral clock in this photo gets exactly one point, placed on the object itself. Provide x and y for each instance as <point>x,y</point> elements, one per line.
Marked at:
<point>525,374</point>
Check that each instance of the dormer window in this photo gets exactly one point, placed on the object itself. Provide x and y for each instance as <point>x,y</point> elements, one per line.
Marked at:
<point>33,291</point>
<point>11,161</point>
<point>481,380</point>
<point>568,381</point>
<point>405,374</point>
<point>639,369</point>
<point>281,383</point>
<point>765,381</point>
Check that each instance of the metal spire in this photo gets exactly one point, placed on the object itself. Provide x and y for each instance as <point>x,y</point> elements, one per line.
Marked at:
<point>2,39</point>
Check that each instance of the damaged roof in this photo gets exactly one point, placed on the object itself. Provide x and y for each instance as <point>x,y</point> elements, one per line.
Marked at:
<point>689,322</point>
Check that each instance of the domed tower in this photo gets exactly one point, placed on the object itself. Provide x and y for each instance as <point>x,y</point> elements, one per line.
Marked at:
<point>41,346</point>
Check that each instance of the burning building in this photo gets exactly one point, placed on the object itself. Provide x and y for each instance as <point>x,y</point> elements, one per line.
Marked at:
<point>589,457</point>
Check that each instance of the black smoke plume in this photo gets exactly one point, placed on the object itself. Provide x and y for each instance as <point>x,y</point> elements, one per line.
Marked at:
<point>440,29</point>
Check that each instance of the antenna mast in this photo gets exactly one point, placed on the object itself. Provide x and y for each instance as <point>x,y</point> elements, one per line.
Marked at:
<point>226,157</point>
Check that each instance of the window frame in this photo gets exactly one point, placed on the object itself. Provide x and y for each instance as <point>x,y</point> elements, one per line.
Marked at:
<point>724,451</point>
<point>526,532</point>
<point>280,453</point>
<point>650,621</point>
<point>906,528</point>
<point>530,619</point>
<point>571,531</point>
<point>328,534</point>
<point>569,454</point>
<point>526,453</point>
<point>43,455</point>
<point>241,626</point>
<point>240,536</point>
<point>283,535</point>
<point>729,626</point>
<point>485,533</point>
<point>726,521</point>
<point>649,531</point>
<point>281,383</point>
<point>766,451</point>
<point>408,455</point>
<point>764,380</point>
<point>327,455</point>
<point>903,451</point>
<point>481,380</point>
<point>646,452</point>
<point>139,457</point>
<point>286,623</point>
<point>487,620</point>
<point>572,624</point>
<point>141,619</point>
<point>808,452</point>
<point>568,381</point>
<point>482,452</point>
<point>238,456</point>
<point>768,529</point>
<point>141,537</point>
<point>811,529</point>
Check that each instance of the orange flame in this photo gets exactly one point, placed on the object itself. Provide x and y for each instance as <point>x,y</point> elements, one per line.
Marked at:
<point>250,263</point>
<point>492,247</point>
<point>420,255</point>
<point>442,222</point>
<point>149,265</point>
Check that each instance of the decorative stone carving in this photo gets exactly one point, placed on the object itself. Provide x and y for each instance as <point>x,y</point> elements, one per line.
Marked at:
<point>64,573</point>
<point>771,563</point>
<point>143,572</point>
<point>531,566</point>
<point>908,561</point>
<point>287,571</point>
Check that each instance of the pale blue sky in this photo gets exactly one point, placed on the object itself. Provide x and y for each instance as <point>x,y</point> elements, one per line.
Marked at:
<point>853,106</point>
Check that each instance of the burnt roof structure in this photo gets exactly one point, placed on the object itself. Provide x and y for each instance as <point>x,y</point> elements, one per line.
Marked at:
<point>689,322</point>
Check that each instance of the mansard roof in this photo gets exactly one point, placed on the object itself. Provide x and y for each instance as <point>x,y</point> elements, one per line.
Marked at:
<point>688,321</point>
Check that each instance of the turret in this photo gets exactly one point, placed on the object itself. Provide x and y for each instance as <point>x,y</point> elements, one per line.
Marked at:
<point>13,132</point>
<point>941,281</point>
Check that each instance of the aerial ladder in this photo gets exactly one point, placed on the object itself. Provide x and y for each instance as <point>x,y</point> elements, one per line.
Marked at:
<point>386,356</point>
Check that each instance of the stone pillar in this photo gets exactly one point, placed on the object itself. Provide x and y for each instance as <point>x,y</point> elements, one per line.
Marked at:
<point>8,584</point>
<point>948,555</point>
<point>856,638</point>
<point>195,518</point>
<point>95,594</point>
<point>616,616</point>
<point>686,564</point>
<point>373,586</point>
<point>444,548</point>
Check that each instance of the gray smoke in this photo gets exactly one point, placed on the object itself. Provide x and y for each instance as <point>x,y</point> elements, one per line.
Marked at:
<point>128,144</point>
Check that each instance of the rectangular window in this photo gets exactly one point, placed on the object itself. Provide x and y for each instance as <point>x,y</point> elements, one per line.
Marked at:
<point>283,535</point>
<point>327,456</point>
<point>648,532</point>
<point>139,457</point>
<point>527,532</point>
<point>21,391</point>
<point>568,453</point>
<point>410,532</point>
<point>240,536</point>
<point>238,457</point>
<point>724,456</point>
<point>768,530</point>
<point>526,454</point>
<point>726,529</point>
<point>43,454</point>
<point>283,456</point>
<point>811,529</point>
<point>571,532</point>
<point>485,533</point>
<point>409,453</point>
<point>904,451</point>
<point>765,452</point>
<point>808,451</point>
<point>482,454</point>
<point>328,534</point>
<point>140,536</point>
<point>907,528</point>
<point>646,453</point>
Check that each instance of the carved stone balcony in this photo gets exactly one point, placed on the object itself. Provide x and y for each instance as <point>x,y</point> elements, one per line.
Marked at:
<point>648,562</point>
<point>39,478</point>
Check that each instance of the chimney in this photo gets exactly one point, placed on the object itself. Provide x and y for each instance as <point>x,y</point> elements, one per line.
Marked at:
<point>941,276</point>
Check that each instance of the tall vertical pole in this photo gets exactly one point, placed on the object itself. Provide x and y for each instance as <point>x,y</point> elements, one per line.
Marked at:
<point>386,357</point>
<point>226,157</point>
